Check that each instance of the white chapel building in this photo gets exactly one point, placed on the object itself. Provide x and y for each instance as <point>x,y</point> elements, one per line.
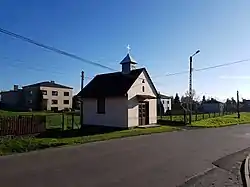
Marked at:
<point>121,99</point>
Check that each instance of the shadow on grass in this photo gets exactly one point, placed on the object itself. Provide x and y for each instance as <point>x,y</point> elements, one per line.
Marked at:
<point>85,131</point>
<point>170,123</point>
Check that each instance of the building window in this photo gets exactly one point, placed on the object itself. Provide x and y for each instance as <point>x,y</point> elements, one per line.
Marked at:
<point>54,102</point>
<point>44,92</point>
<point>30,101</point>
<point>55,93</point>
<point>162,101</point>
<point>66,93</point>
<point>101,106</point>
<point>143,81</point>
<point>143,89</point>
<point>167,102</point>
<point>66,102</point>
<point>30,92</point>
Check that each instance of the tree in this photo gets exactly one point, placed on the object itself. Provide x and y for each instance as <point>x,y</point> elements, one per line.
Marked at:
<point>184,99</point>
<point>233,101</point>
<point>177,98</point>
<point>194,96</point>
<point>228,101</point>
<point>203,99</point>
<point>193,93</point>
<point>75,103</point>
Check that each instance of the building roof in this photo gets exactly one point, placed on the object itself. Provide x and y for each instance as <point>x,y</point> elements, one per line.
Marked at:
<point>128,59</point>
<point>164,96</point>
<point>211,102</point>
<point>11,91</point>
<point>48,84</point>
<point>111,84</point>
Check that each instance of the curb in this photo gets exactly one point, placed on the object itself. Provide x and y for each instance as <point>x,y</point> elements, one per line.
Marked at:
<point>246,171</point>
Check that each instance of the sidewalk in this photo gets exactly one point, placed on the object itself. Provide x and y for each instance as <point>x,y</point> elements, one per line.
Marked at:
<point>226,172</point>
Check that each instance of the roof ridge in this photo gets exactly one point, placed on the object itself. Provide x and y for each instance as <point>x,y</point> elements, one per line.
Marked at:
<point>50,84</point>
<point>119,72</point>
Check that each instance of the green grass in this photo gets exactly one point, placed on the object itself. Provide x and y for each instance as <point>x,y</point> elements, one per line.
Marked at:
<point>53,120</point>
<point>26,144</point>
<point>194,117</point>
<point>223,121</point>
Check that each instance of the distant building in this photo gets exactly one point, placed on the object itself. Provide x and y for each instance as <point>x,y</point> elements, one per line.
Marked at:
<point>40,96</point>
<point>245,105</point>
<point>164,104</point>
<point>246,102</point>
<point>212,105</point>
<point>12,99</point>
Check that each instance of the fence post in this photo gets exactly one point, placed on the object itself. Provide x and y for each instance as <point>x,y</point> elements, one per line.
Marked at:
<point>72,121</point>
<point>196,116</point>
<point>62,121</point>
<point>171,116</point>
<point>214,114</point>
<point>32,122</point>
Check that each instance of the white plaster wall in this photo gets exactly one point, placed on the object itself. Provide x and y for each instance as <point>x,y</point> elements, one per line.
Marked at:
<point>116,113</point>
<point>136,89</point>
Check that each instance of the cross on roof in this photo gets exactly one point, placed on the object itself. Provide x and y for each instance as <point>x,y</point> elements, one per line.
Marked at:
<point>128,47</point>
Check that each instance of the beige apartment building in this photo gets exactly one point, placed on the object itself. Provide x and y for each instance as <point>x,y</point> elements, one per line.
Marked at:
<point>40,96</point>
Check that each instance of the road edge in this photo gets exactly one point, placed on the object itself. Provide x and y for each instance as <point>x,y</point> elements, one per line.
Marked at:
<point>246,171</point>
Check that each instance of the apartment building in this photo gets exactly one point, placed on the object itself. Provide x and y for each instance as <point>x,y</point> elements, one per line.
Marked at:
<point>40,96</point>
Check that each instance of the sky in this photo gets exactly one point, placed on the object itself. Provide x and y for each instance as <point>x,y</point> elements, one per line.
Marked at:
<point>162,35</point>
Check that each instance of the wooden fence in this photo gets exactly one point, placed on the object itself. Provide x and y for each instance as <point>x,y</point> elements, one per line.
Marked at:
<point>183,119</point>
<point>22,125</point>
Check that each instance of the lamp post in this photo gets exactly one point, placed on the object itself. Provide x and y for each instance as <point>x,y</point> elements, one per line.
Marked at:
<point>190,85</point>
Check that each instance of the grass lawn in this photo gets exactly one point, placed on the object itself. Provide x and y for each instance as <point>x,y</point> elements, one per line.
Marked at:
<point>53,120</point>
<point>223,120</point>
<point>195,117</point>
<point>26,144</point>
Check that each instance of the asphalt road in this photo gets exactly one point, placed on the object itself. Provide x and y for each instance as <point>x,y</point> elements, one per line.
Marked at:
<point>166,159</point>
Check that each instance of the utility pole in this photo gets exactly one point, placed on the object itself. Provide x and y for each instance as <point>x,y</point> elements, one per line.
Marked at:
<point>190,88</point>
<point>81,102</point>
<point>190,85</point>
<point>238,105</point>
<point>160,104</point>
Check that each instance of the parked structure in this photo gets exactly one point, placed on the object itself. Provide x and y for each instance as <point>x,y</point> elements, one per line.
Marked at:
<point>40,96</point>
<point>164,104</point>
<point>121,99</point>
<point>212,106</point>
<point>245,105</point>
<point>11,99</point>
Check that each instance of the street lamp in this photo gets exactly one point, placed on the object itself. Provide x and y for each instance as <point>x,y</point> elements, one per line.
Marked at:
<point>190,85</point>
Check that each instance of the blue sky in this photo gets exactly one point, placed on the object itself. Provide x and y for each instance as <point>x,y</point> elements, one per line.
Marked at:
<point>162,35</point>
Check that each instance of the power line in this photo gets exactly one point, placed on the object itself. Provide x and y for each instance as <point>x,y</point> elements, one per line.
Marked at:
<point>171,74</point>
<point>23,38</point>
<point>38,69</point>
<point>53,49</point>
<point>203,69</point>
<point>222,65</point>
